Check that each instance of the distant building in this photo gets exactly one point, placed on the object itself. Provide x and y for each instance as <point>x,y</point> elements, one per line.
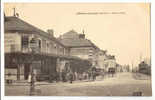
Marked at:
<point>105,61</point>
<point>110,62</point>
<point>144,68</point>
<point>102,56</point>
<point>147,61</point>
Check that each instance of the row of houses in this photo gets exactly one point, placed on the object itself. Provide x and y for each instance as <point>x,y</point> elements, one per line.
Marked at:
<point>52,55</point>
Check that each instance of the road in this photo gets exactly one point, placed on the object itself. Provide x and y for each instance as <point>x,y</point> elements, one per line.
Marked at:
<point>123,84</point>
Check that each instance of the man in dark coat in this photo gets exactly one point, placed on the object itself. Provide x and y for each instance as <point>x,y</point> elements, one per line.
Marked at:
<point>94,73</point>
<point>71,77</point>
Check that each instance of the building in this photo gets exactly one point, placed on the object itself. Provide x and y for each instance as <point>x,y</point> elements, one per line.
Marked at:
<point>18,34</point>
<point>79,45</point>
<point>105,61</point>
<point>147,61</point>
<point>144,68</point>
<point>49,57</point>
<point>86,49</point>
<point>110,62</point>
<point>102,56</point>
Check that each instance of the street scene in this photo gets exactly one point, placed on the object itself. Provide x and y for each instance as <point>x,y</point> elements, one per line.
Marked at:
<point>77,49</point>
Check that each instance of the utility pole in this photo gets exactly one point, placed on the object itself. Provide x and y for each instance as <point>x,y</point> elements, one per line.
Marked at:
<point>140,58</point>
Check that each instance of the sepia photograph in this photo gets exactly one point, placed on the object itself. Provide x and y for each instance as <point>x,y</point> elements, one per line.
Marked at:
<point>77,49</point>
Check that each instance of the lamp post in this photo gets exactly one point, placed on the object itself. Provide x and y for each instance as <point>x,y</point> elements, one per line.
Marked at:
<point>33,46</point>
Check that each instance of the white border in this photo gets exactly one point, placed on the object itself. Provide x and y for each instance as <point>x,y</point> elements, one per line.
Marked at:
<point>77,98</point>
<point>2,52</point>
<point>70,1</point>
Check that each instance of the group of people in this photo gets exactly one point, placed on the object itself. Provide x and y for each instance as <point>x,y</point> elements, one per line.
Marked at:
<point>70,76</point>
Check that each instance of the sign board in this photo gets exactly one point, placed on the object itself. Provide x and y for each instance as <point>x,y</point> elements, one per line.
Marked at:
<point>33,44</point>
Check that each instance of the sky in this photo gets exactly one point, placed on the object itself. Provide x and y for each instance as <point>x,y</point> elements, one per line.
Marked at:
<point>123,29</point>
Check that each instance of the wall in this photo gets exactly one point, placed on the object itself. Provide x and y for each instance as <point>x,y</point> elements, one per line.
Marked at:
<point>110,63</point>
<point>12,42</point>
<point>101,61</point>
<point>12,71</point>
<point>51,47</point>
<point>82,52</point>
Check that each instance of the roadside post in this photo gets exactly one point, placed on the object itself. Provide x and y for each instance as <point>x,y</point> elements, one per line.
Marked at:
<point>33,46</point>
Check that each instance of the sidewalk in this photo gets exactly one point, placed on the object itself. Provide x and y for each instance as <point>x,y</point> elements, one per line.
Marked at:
<point>38,83</point>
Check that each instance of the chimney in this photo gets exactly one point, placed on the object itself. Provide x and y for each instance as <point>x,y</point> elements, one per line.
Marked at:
<point>17,14</point>
<point>51,32</point>
<point>82,36</point>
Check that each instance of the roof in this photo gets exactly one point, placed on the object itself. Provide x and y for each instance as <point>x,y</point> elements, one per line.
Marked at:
<point>15,24</point>
<point>111,57</point>
<point>71,39</point>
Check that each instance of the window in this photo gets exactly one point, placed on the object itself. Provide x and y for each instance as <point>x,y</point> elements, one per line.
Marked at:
<point>12,48</point>
<point>39,44</point>
<point>25,41</point>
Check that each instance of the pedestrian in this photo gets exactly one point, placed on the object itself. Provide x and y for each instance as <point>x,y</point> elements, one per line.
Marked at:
<point>32,82</point>
<point>63,76</point>
<point>103,74</point>
<point>29,78</point>
<point>94,76</point>
<point>51,76</point>
<point>71,77</point>
<point>94,73</point>
<point>85,75</point>
<point>35,74</point>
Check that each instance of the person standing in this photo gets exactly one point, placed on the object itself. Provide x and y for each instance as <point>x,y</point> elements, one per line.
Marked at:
<point>71,77</point>
<point>94,73</point>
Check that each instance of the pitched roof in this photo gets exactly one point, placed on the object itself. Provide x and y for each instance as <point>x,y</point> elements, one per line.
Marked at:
<point>70,35</point>
<point>13,23</point>
<point>111,57</point>
<point>71,39</point>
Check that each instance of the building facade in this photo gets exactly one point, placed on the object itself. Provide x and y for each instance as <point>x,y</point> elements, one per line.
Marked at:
<point>27,46</point>
<point>19,33</point>
<point>86,49</point>
<point>105,61</point>
<point>50,56</point>
<point>79,45</point>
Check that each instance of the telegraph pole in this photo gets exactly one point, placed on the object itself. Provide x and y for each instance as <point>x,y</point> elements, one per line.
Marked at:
<point>140,58</point>
<point>132,66</point>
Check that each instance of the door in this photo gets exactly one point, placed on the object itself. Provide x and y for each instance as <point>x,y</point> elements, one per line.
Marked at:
<point>26,71</point>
